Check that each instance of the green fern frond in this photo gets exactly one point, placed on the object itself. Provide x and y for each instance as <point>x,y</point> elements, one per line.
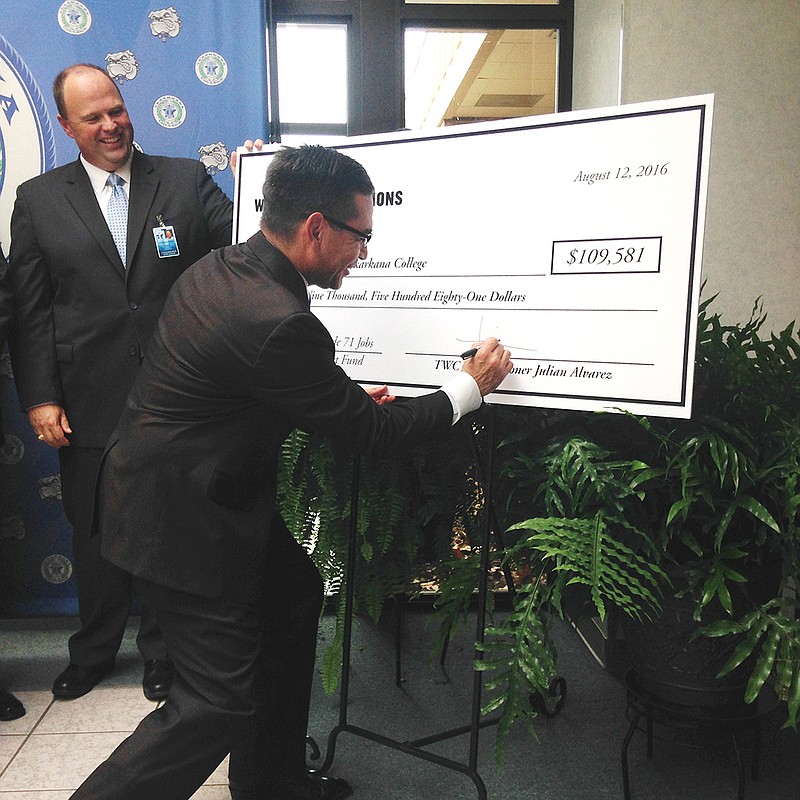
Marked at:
<point>331,659</point>
<point>521,657</point>
<point>584,551</point>
<point>771,635</point>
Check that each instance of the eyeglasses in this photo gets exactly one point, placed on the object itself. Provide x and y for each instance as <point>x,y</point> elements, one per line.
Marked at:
<point>363,235</point>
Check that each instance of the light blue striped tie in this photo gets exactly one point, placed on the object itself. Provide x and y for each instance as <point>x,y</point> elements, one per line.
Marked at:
<point>117,214</point>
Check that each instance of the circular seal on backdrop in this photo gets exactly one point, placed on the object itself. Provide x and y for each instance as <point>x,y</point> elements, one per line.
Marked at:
<point>12,450</point>
<point>27,146</point>
<point>74,18</point>
<point>169,111</point>
<point>211,69</point>
<point>56,568</point>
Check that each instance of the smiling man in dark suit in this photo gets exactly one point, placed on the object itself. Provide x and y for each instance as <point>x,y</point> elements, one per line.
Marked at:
<point>187,489</point>
<point>86,306</point>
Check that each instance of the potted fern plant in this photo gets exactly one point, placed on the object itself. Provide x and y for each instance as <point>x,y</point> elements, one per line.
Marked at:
<point>618,503</point>
<point>726,484</point>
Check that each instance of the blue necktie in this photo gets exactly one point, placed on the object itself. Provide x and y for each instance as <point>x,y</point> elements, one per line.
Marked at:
<point>117,214</point>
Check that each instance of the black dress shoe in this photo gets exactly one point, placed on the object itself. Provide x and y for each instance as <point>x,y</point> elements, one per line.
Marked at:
<point>76,681</point>
<point>309,786</point>
<point>10,707</point>
<point>157,679</point>
<point>312,787</point>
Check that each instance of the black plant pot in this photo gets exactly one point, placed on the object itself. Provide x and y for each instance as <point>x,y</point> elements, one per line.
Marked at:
<point>670,664</point>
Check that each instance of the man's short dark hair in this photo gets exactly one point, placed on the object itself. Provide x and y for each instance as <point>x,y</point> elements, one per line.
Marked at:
<point>309,178</point>
<point>60,79</point>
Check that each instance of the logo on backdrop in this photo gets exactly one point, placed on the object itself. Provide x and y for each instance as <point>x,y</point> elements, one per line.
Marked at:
<point>169,111</point>
<point>50,487</point>
<point>74,18</point>
<point>12,451</point>
<point>122,66</point>
<point>211,69</point>
<point>214,157</point>
<point>12,528</point>
<point>56,568</point>
<point>165,23</point>
<point>27,147</point>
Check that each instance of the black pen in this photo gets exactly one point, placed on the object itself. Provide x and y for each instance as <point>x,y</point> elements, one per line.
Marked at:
<point>469,353</point>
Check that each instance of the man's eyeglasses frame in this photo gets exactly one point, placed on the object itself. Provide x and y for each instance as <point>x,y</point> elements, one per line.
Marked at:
<point>363,235</point>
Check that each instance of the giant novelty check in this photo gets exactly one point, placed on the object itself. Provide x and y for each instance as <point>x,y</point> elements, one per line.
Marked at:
<point>575,238</point>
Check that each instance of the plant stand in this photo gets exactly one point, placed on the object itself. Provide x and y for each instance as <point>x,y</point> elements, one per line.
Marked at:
<point>709,722</point>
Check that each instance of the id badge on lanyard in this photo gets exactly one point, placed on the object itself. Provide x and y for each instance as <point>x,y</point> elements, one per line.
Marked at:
<point>166,241</point>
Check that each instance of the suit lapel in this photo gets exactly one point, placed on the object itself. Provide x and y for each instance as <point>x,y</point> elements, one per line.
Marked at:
<point>80,195</point>
<point>144,185</point>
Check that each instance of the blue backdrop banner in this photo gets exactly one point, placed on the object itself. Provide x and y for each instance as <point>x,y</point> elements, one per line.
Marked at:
<point>193,76</point>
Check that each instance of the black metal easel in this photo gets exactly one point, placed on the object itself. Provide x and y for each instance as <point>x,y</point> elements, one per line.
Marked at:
<point>415,747</point>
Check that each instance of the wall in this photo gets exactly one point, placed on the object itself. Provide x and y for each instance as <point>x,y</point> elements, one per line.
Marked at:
<point>596,65</point>
<point>748,55</point>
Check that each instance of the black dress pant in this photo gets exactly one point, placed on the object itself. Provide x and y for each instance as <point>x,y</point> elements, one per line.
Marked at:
<point>104,591</point>
<point>243,675</point>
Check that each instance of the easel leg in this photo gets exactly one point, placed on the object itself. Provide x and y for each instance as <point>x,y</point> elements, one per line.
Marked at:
<point>347,639</point>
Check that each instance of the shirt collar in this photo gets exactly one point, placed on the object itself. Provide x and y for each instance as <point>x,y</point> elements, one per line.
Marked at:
<point>98,177</point>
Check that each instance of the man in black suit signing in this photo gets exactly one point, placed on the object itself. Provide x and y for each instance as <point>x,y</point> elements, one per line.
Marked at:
<point>95,247</point>
<point>187,490</point>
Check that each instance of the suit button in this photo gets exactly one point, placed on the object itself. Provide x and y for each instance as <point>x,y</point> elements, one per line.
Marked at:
<point>133,351</point>
<point>134,306</point>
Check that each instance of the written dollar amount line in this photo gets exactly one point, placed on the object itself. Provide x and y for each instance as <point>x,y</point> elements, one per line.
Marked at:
<point>607,255</point>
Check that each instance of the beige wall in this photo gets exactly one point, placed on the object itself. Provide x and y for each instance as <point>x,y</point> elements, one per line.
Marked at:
<point>747,52</point>
<point>596,65</point>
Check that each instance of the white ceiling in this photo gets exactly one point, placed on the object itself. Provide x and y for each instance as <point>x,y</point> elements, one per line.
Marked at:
<point>512,75</point>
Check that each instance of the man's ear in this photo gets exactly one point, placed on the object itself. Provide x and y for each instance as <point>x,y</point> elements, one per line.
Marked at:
<point>64,123</point>
<point>314,226</point>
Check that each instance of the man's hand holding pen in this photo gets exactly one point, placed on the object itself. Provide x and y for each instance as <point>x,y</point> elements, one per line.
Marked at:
<point>488,363</point>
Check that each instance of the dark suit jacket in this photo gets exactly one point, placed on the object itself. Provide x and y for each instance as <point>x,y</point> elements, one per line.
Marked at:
<point>6,307</point>
<point>82,321</point>
<point>187,493</point>
<point>6,300</point>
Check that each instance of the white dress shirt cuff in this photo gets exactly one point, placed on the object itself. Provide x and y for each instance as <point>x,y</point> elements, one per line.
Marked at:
<point>464,395</point>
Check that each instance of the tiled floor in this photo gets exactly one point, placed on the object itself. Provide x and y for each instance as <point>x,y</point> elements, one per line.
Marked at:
<point>47,753</point>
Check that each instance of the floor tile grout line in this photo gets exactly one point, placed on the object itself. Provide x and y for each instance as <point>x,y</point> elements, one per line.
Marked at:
<point>26,737</point>
<point>34,731</point>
